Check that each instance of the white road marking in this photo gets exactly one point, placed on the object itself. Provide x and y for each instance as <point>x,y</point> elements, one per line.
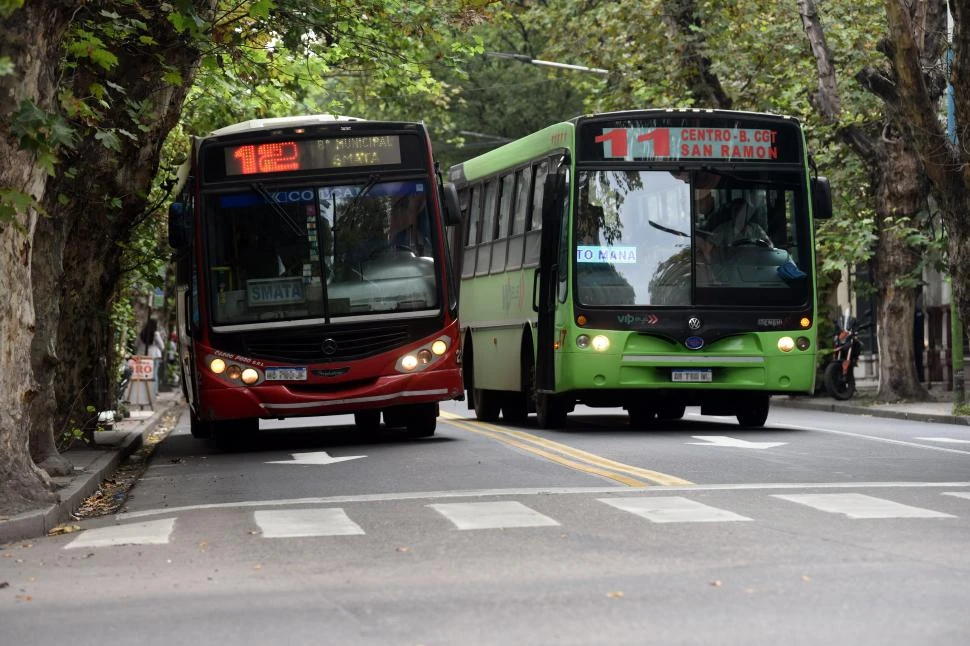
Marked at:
<point>944,440</point>
<point>152,532</point>
<point>533,491</point>
<point>293,523</point>
<point>673,509</point>
<point>319,457</point>
<point>958,494</point>
<point>862,436</point>
<point>492,515</point>
<point>733,442</point>
<point>857,505</point>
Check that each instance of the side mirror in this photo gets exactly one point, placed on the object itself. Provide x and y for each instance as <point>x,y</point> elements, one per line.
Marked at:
<point>821,198</point>
<point>452,205</point>
<point>179,225</point>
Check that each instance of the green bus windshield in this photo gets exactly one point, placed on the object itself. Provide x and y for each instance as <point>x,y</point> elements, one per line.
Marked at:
<point>679,238</point>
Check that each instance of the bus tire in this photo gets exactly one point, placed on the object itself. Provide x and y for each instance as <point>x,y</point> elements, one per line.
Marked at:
<point>422,420</point>
<point>754,412</point>
<point>551,411</point>
<point>515,409</point>
<point>487,405</point>
<point>367,421</point>
<point>200,429</point>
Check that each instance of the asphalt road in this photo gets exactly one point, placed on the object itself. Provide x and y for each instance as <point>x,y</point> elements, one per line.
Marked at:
<point>820,528</point>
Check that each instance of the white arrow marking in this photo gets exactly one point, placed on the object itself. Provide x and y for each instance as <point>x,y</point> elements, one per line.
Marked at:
<point>320,457</point>
<point>723,440</point>
<point>949,440</point>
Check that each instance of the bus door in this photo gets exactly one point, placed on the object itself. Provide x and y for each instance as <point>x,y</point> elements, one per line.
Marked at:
<point>546,281</point>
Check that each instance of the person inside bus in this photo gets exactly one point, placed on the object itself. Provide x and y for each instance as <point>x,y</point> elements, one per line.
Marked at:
<point>738,224</point>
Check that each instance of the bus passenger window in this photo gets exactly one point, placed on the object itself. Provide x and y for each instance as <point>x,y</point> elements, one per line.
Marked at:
<point>489,229</point>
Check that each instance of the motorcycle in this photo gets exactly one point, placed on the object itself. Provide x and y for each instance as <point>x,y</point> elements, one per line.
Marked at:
<point>839,377</point>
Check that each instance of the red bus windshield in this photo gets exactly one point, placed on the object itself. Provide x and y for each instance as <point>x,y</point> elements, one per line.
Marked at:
<point>320,251</point>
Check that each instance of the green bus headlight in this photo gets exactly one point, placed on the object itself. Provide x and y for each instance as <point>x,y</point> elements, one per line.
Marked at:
<point>601,343</point>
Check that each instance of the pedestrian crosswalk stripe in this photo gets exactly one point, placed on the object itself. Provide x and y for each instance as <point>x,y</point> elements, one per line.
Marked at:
<point>152,532</point>
<point>672,509</point>
<point>857,505</point>
<point>492,515</point>
<point>294,523</point>
<point>958,494</point>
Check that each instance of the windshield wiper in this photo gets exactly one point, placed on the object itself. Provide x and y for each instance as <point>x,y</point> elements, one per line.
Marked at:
<point>355,200</point>
<point>668,230</point>
<point>279,210</point>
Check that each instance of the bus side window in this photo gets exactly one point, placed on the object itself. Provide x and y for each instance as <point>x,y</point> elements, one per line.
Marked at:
<point>520,213</point>
<point>488,228</point>
<point>501,246</point>
<point>472,230</point>
<point>533,236</point>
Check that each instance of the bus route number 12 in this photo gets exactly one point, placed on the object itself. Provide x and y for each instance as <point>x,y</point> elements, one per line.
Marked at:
<point>268,158</point>
<point>619,138</point>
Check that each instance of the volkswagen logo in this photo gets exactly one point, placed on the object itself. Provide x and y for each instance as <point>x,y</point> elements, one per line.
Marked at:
<point>329,346</point>
<point>694,323</point>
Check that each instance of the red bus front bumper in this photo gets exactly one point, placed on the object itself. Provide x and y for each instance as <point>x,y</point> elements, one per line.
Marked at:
<point>218,402</point>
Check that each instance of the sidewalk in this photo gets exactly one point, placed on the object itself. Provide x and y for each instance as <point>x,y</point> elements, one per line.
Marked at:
<point>863,403</point>
<point>91,467</point>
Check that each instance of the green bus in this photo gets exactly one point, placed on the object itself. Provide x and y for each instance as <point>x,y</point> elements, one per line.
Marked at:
<point>649,259</point>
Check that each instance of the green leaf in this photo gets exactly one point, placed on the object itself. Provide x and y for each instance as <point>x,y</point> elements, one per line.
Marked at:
<point>108,139</point>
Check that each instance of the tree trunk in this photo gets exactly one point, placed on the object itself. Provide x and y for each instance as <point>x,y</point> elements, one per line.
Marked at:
<point>96,227</point>
<point>899,191</point>
<point>31,37</point>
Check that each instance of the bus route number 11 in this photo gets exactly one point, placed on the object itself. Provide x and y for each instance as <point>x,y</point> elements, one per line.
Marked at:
<point>618,139</point>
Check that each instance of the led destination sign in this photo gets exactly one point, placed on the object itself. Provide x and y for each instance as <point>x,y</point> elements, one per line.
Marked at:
<point>689,143</point>
<point>312,154</point>
<point>715,140</point>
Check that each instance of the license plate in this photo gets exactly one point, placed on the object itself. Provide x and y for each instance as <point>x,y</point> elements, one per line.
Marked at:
<point>691,375</point>
<point>286,374</point>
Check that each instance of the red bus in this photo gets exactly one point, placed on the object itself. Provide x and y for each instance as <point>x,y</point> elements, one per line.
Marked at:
<point>313,276</point>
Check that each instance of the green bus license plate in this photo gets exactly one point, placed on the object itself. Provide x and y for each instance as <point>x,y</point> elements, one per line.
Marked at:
<point>691,375</point>
<point>286,374</point>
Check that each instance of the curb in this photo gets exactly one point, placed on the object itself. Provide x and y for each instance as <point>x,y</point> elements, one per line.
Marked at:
<point>872,411</point>
<point>37,522</point>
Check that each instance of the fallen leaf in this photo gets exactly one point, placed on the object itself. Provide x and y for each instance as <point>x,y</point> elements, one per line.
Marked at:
<point>716,583</point>
<point>403,549</point>
<point>616,594</point>
<point>4,584</point>
<point>806,578</point>
<point>64,528</point>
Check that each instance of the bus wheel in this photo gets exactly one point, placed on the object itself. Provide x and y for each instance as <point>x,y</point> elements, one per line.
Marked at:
<point>642,416</point>
<point>422,420</point>
<point>669,411</point>
<point>487,405</point>
<point>754,412</point>
<point>367,421</point>
<point>200,429</point>
<point>551,411</point>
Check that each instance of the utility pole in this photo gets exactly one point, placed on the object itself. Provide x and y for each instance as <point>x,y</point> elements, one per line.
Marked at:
<point>956,325</point>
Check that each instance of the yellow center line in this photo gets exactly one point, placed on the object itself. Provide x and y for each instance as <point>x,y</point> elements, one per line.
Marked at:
<point>579,466</point>
<point>591,460</point>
